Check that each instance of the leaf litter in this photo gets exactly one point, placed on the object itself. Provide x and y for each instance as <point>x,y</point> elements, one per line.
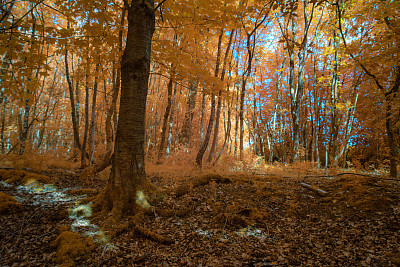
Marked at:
<point>257,220</point>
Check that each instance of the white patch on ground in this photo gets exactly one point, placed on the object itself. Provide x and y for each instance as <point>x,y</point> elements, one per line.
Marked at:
<point>49,195</point>
<point>5,184</point>
<point>46,194</point>
<point>141,200</point>
<point>249,231</point>
<point>203,232</point>
<point>80,214</point>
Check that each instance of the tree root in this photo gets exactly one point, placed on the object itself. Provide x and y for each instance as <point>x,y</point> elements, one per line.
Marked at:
<point>115,222</point>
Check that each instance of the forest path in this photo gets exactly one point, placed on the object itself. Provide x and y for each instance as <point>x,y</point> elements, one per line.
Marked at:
<point>253,220</point>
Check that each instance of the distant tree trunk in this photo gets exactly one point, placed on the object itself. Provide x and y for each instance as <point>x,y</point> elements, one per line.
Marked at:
<point>334,98</point>
<point>153,133</point>
<point>166,116</point>
<point>3,122</point>
<point>75,129</point>
<point>92,128</point>
<point>171,122</point>
<point>350,118</point>
<point>273,131</point>
<point>218,114</point>
<point>112,109</point>
<point>127,186</point>
<point>236,124</point>
<point>85,134</point>
<point>187,122</point>
<point>110,112</point>
<point>246,75</point>
<point>204,144</point>
<point>203,107</point>
<point>229,100</point>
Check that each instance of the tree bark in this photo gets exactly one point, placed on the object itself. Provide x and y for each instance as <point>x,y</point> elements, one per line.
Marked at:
<point>127,182</point>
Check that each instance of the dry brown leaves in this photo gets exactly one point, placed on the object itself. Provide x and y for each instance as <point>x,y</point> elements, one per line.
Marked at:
<point>254,220</point>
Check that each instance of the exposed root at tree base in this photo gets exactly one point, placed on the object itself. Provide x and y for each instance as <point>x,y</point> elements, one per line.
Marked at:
<point>117,222</point>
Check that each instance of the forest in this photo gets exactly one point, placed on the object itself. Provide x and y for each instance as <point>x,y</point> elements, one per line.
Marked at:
<point>199,133</point>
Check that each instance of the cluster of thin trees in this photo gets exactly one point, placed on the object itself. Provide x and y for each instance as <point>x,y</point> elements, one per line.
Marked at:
<point>301,82</point>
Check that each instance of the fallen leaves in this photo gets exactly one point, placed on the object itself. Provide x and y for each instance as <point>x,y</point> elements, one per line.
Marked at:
<point>286,225</point>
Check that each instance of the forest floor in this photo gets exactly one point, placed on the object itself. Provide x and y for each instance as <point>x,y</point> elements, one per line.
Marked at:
<point>266,218</point>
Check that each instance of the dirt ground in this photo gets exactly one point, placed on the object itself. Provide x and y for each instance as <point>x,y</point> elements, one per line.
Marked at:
<point>262,219</point>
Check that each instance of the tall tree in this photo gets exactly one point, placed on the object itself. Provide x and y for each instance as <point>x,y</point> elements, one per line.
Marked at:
<point>127,186</point>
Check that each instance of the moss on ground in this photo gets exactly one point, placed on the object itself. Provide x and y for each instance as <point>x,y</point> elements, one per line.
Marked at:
<point>22,177</point>
<point>72,247</point>
<point>9,204</point>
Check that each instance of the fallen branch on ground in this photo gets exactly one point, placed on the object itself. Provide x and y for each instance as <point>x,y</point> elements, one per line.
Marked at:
<point>352,173</point>
<point>314,188</point>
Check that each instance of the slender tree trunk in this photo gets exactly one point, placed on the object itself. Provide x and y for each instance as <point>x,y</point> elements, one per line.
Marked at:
<point>3,122</point>
<point>203,107</point>
<point>85,134</point>
<point>166,116</point>
<point>171,123</point>
<point>246,75</point>
<point>187,122</point>
<point>218,114</point>
<point>334,98</point>
<point>92,128</point>
<point>112,110</point>
<point>204,144</point>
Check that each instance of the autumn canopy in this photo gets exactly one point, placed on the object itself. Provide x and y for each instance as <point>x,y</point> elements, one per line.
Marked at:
<point>228,81</point>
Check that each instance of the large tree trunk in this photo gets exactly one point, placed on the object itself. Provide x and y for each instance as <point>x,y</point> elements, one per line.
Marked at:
<point>127,182</point>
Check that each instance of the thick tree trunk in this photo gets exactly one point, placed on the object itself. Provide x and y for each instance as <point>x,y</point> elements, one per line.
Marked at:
<point>126,186</point>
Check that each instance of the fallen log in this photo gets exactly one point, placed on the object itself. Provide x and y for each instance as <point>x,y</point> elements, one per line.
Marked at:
<point>314,188</point>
